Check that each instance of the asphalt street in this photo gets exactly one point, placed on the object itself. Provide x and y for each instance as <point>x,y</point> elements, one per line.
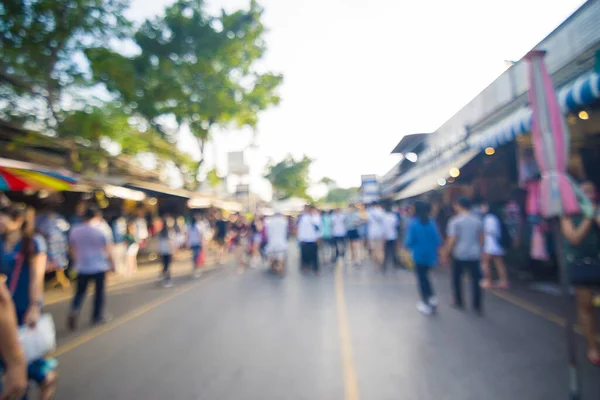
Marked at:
<point>349,334</point>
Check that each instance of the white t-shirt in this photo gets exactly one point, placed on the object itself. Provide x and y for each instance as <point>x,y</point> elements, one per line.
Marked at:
<point>338,220</point>
<point>277,234</point>
<point>309,228</point>
<point>375,218</point>
<point>390,224</point>
<point>492,232</point>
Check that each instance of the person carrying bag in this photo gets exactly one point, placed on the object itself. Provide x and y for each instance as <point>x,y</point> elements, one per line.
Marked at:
<point>24,264</point>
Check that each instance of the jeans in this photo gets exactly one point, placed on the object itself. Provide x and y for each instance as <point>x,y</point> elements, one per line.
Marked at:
<point>166,260</point>
<point>390,254</point>
<point>425,288</point>
<point>83,281</point>
<point>195,255</point>
<point>474,270</point>
<point>340,247</point>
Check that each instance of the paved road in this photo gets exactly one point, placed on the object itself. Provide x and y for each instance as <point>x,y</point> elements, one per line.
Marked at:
<point>347,335</point>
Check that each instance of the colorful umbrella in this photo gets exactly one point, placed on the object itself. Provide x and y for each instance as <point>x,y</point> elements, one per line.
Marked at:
<point>19,176</point>
<point>551,142</point>
<point>558,194</point>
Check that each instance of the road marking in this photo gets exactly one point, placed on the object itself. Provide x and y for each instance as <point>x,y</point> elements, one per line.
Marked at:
<point>86,337</point>
<point>560,321</point>
<point>529,307</point>
<point>349,369</point>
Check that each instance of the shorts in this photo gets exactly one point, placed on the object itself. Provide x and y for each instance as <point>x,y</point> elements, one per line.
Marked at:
<point>353,234</point>
<point>376,243</point>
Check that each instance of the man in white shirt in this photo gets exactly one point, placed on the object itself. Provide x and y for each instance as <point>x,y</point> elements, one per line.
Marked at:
<point>376,233</point>
<point>277,241</point>
<point>309,233</point>
<point>390,226</point>
<point>339,231</point>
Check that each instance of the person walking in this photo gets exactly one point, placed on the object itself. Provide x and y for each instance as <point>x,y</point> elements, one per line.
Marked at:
<point>93,260</point>
<point>338,223</point>
<point>582,242</point>
<point>132,248</point>
<point>464,245</point>
<point>327,236</point>
<point>277,241</point>
<point>376,234</point>
<point>423,240</point>
<point>195,244</point>
<point>24,263</point>
<point>309,234</point>
<point>495,238</point>
<point>241,240</point>
<point>353,223</point>
<point>166,247</point>
<point>13,365</point>
<point>390,227</point>
<point>220,236</point>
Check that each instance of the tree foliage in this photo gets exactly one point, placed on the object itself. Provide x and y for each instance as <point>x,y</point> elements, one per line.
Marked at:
<point>41,65</point>
<point>289,178</point>
<point>194,67</point>
<point>58,57</point>
<point>340,196</point>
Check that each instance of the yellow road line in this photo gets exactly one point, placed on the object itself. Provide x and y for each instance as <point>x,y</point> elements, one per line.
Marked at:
<point>560,321</point>
<point>349,369</point>
<point>86,337</point>
<point>529,307</point>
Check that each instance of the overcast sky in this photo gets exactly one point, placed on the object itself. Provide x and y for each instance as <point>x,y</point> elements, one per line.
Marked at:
<point>361,74</point>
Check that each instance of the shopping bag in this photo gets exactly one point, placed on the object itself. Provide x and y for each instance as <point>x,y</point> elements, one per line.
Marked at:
<point>201,259</point>
<point>406,259</point>
<point>39,340</point>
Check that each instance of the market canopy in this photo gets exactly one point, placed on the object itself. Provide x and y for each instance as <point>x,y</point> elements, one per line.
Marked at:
<point>436,178</point>
<point>572,97</point>
<point>20,176</point>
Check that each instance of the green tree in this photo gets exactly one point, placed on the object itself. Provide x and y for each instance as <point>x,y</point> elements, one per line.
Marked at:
<point>45,81</point>
<point>289,178</point>
<point>340,196</point>
<point>195,67</point>
<point>213,178</point>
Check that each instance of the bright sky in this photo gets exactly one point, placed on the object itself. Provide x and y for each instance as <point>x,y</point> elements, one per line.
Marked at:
<point>361,74</point>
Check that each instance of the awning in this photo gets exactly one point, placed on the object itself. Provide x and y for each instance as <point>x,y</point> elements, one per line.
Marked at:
<point>123,193</point>
<point>430,181</point>
<point>158,189</point>
<point>583,91</point>
<point>20,176</point>
<point>409,142</point>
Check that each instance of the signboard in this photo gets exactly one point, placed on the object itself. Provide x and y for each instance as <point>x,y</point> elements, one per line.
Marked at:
<point>369,190</point>
<point>236,163</point>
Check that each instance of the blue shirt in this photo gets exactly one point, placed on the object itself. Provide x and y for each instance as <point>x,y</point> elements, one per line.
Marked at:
<point>423,240</point>
<point>327,226</point>
<point>9,263</point>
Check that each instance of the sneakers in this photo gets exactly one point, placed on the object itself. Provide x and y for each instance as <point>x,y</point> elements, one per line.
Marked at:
<point>167,283</point>
<point>433,301</point>
<point>424,309</point>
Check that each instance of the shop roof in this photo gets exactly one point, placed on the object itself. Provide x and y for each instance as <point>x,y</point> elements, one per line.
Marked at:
<point>409,143</point>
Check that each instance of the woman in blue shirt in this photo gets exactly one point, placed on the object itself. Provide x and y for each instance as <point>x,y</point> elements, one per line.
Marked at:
<point>24,263</point>
<point>423,240</point>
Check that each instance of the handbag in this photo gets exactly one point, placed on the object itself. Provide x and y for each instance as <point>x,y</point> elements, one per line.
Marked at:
<point>39,340</point>
<point>584,272</point>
